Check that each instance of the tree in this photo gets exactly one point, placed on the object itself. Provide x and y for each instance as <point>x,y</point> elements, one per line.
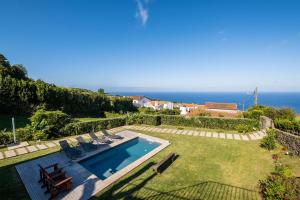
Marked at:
<point>101,91</point>
<point>3,61</point>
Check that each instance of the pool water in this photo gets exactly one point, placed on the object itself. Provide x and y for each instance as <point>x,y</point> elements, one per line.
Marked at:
<point>109,162</point>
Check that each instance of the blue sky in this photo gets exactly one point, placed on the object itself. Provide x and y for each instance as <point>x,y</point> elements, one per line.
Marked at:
<point>156,45</point>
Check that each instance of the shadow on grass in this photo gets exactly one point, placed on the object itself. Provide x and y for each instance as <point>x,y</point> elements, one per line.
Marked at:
<point>134,188</point>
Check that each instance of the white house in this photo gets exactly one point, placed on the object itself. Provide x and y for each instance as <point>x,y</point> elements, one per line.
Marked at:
<point>167,105</point>
<point>139,101</point>
<point>186,108</point>
<point>155,105</point>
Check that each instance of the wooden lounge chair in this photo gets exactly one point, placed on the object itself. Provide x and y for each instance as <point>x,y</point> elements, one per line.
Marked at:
<point>72,153</point>
<point>57,184</point>
<point>87,146</point>
<point>111,136</point>
<point>99,140</point>
<point>51,170</point>
<point>164,163</point>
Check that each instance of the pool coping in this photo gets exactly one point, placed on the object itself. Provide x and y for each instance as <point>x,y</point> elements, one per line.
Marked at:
<point>118,175</point>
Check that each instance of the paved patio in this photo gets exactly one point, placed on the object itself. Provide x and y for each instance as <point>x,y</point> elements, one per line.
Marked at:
<point>85,184</point>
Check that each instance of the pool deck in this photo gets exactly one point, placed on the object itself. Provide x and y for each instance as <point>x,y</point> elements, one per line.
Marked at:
<point>84,183</point>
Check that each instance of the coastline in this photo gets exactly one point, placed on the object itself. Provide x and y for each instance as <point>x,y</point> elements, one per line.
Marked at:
<point>274,99</point>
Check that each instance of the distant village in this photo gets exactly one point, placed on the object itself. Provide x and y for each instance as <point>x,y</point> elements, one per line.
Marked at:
<point>224,109</point>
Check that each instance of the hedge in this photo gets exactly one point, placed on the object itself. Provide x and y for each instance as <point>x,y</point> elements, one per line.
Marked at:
<point>291,126</point>
<point>200,122</point>
<point>76,128</point>
<point>209,122</point>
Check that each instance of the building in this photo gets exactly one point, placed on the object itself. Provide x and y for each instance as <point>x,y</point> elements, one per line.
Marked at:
<point>186,108</point>
<point>221,107</point>
<point>139,101</point>
<point>159,105</point>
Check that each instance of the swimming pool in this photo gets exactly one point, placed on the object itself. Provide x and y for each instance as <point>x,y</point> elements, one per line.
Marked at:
<point>106,163</point>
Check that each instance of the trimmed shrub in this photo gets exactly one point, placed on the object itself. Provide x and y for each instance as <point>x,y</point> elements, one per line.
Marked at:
<point>269,141</point>
<point>291,126</point>
<point>76,128</point>
<point>154,120</point>
<point>209,122</point>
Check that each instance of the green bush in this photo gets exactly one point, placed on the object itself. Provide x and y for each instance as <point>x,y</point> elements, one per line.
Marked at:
<point>133,118</point>
<point>50,123</point>
<point>244,128</point>
<point>6,137</point>
<point>208,122</point>
<point>24,134</point>
<point>76,128</point>
<point>273,188</point>
<point>288,125</point>
<point>154,120</point>
<point>278,187</point>
<point>282,113</point>
<point>283,171</point>
<point>199,122</point>
<point>40,135</point>
<point>269,141</point>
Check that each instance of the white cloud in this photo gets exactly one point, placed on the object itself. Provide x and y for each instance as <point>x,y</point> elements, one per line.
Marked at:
<point>142,13</point>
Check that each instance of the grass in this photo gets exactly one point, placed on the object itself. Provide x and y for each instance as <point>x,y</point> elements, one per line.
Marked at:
<point>11,187</point>
<point>20,121</point>
<point>206,168</point>
<point>107,115</point>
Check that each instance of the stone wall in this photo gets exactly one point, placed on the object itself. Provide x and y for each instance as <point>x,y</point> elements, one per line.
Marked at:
<point>292,142</point>
<point>265,123</point>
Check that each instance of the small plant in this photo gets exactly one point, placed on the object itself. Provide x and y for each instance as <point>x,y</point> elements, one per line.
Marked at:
<point>273,188</point>
<point>243,128</point>
<point>283,171</point>
<point>269,141</point>
<point>275,157</point>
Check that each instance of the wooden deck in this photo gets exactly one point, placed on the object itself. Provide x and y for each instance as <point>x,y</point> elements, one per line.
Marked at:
<point>85,184</point>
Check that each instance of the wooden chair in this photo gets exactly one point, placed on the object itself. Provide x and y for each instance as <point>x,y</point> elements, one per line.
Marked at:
<point>51,170</point>
<point>58,184</point>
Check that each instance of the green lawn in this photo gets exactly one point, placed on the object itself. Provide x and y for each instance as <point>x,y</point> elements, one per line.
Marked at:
<point>5,122</point>
<point>206,168</point>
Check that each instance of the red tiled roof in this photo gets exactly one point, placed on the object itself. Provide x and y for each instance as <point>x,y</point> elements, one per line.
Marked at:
<point>221,106</point>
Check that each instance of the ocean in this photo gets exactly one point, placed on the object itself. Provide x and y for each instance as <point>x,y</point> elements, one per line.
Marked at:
<point>275,99</point>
